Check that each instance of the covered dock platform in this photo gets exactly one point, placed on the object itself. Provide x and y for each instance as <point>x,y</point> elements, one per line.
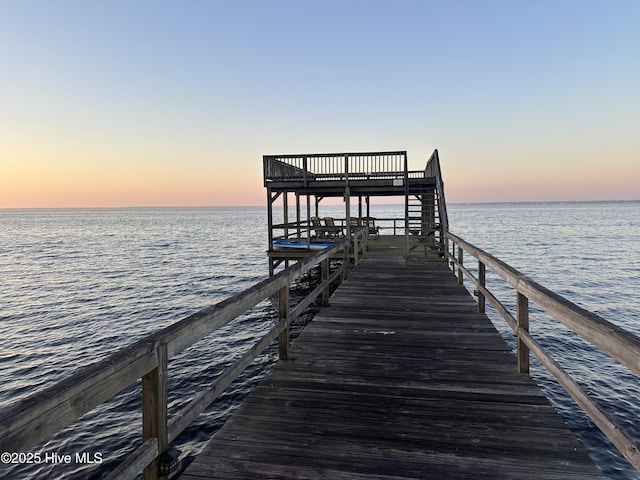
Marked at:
<point>301,182</point>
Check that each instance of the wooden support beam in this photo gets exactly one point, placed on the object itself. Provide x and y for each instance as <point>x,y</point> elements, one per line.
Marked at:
<point>285,213</point>
<point>347,210</point>
<point>154,409</point>
<point>298,214</point>
<point>482,282</point>
<point>270,200</point>
<point>523,329</point>
<point>324,268</point>
<point>309,216</point>
<point>283,315</point>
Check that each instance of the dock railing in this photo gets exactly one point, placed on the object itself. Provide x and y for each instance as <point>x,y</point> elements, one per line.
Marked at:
<point>41,415</point>
<point>335,166</point>
<point>621,345</point>
<point>294,229</point>
<point>432,169</point>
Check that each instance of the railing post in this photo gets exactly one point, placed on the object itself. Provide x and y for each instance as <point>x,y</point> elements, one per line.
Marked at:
<point>154,409</point>
<point>356,247</point>
<point>460,263</point>
<point>283,315</point>
<point>482,283</point>
<point>366,239</point>
<point>523,326</point>
<point>345,261</point>
<point>324,273</point>
<point>304,171</point>
<point>346,168</point>
<point>446,252</point>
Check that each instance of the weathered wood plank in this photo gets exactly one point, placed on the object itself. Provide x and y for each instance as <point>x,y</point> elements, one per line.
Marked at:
<point>399,378</point>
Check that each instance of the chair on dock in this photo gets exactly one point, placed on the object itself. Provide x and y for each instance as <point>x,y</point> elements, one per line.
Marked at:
<point>331,229</point>
<point>370,223</point>
<point>321,231</point>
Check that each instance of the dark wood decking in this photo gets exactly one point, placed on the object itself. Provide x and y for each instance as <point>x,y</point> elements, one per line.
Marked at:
<point>399,378</point>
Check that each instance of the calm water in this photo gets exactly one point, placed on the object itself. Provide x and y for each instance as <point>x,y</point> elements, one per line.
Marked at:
<point>78,284</point>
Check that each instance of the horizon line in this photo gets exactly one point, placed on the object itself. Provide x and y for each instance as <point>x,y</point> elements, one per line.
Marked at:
<point>130,207</point>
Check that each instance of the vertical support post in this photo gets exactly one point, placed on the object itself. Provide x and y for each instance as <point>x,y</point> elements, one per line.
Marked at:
<point>446,251</point>
<point>345,261</point>
<point>346,168</point>
<point>347,209</point>
<point>270,201</point>
<point>460,264</point>
<point>283,315</point>
<point>366,239</point>
<point>523,326</point>
<point>304,171</point>
<point>324,273</point>
<point>356,248</point>
<point>309,215</point>
<point>482,282</point>
<point>285,213</point>
<point>298,214</point>
<point>154,410</point>
<point>270,228</point>
<point>406,209</point>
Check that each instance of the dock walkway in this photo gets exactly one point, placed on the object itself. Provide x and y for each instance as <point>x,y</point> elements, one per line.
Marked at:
<point>399,378</point>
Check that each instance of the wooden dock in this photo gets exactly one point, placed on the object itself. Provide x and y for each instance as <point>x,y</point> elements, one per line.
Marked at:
<point>403,376</point>
<point>399,378</point>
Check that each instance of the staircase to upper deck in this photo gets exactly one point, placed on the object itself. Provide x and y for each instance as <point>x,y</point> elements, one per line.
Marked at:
<point>426,213</point>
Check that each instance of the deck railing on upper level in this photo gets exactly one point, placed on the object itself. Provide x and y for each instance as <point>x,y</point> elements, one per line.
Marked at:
<point>432,169</point>
<point>621,345</point>
<point>45,413</point>
<point>339,166</point>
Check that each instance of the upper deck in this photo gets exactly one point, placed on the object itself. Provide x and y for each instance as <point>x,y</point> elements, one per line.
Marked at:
<point>366,174</point>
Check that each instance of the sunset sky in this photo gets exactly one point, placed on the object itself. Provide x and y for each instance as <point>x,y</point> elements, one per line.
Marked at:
<point>143,103</point>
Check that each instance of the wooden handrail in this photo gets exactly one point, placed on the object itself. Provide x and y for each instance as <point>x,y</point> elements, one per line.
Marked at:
<point>432,169</point>
<point>39,416</point>
<point>333,166</point>
<point>618,343</point>
<point>360,241</point>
